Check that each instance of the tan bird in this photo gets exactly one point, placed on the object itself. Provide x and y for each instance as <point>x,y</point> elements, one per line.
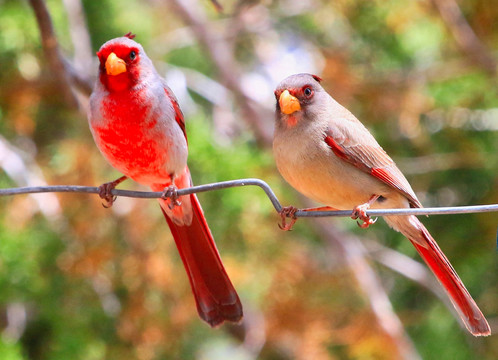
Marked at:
<point>327,154</point>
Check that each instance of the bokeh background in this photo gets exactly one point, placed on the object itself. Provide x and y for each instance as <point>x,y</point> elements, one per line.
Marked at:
<point>78,281</point>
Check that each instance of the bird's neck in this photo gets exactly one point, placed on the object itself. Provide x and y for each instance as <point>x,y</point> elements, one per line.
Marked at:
<point>291,120</point>
<point>116,84</point>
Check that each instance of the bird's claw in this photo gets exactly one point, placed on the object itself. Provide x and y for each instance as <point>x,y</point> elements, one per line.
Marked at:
<point>105,193</point>
<point>171,193</point>
<point>366,223</point>
<point>360,212</point>
<point>288,211</point>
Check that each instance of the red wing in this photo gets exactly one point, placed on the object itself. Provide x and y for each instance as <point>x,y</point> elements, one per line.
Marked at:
<point>371,158</point>
<point>178,112</point>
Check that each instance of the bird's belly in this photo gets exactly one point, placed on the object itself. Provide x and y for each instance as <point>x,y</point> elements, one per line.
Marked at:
<point>340,191</point>
<point>327,179</point>
<point>146,157</point>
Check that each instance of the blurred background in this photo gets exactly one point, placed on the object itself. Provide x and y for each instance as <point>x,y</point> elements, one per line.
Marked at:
<point>78,281</point>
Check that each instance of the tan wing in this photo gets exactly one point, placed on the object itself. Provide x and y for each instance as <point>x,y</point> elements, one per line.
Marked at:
<point>354,143</point>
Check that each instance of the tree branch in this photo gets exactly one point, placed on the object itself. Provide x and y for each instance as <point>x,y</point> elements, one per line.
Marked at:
<point>80,37</point>
<point>63,70</point>
<point>51,49</point>
<point>464,35</point>
<point>227,69</point>
<point>217,6</point>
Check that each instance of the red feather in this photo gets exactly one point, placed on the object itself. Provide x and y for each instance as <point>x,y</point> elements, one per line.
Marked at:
<point>338,150</point>
<point>178,112</point>
<point>214,294</point>
<point>434,257</point>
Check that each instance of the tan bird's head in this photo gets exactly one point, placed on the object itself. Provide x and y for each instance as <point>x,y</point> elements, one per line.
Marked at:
<point>295,95</point>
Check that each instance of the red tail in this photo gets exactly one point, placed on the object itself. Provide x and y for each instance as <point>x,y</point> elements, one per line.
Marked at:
<point>427,247</point>
<point>215,295</point>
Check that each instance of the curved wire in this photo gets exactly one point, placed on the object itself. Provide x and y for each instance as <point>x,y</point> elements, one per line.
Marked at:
<point>252,182</point>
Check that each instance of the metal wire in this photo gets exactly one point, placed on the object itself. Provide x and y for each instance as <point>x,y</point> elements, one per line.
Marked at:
<point>252,182</point>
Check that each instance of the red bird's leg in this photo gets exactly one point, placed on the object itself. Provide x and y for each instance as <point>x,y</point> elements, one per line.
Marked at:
<point>288,211</point>
<point>105,191</point>
<point>360,212</point>
<point>170,194</point>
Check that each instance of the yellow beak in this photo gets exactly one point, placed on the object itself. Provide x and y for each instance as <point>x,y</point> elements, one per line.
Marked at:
<point>288,103</point>
<point>114,65</point>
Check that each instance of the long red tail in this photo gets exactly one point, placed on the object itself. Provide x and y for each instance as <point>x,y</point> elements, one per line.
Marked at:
<point>215,295</point>
<point>433,256</point>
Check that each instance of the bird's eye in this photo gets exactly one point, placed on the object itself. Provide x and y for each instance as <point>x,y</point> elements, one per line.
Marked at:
<point>307,91</point>
<point>133,55</point>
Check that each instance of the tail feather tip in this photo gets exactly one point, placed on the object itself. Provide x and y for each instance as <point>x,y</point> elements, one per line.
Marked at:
<point>217,319</point>
<point>480,329</point>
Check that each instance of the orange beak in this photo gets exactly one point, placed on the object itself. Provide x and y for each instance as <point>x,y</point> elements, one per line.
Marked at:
<point>114,65</point>
<point>288,103</point>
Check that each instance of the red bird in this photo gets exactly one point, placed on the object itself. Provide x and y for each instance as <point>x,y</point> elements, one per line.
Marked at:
<point>139,128</point>
<point>327,154</point>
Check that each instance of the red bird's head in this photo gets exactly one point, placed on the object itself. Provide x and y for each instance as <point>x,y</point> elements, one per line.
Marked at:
<point>123,64</point>
<point>295,95</point>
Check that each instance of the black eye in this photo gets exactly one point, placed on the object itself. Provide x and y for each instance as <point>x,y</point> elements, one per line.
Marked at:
<point>133,55</point>
<point>307,91</point>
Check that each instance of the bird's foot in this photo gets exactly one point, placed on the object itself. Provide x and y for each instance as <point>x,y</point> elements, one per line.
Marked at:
<point>170,195</point>
<point>288,211</point>
<point>360,212</point>
<point>105,191</point>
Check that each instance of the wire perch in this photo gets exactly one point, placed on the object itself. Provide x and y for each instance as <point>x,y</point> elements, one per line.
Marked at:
<point>252,182</point>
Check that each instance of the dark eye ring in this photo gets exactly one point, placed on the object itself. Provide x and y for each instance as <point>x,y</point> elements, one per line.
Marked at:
<point>133,55</point>
<point>308,91</point>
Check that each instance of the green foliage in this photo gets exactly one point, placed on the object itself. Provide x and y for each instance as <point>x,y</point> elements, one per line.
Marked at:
<point>190,57</point>
<point>11,350</point>
<point>469,90</point>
